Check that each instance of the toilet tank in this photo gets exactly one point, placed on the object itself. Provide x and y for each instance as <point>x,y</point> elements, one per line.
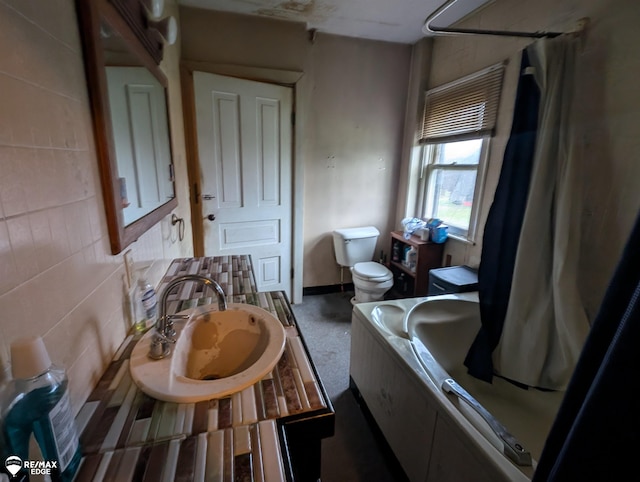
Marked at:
<point>355,245</point>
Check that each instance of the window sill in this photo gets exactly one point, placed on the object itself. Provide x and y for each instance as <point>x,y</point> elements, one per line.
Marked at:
<point>461,239</point>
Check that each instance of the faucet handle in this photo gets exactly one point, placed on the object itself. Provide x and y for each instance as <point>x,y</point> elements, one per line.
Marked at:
<point>158,349</point>
<point>169,331</point>
<point>160,346</point>
<point>178,317</point>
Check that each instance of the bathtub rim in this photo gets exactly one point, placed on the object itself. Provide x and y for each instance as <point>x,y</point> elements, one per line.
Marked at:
<point>402,349</point>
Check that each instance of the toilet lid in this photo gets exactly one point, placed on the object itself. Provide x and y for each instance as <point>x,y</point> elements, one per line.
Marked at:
<point>372,270</point>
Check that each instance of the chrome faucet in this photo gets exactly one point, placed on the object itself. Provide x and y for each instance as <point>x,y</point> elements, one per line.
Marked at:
<point>163,338</point>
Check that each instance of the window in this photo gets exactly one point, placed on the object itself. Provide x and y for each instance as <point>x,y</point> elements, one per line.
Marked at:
<point>452,179</point>
<point>459,119</point>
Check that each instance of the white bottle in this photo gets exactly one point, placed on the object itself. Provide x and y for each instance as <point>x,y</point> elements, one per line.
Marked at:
<point>146,305</point>
<point>405,256</point>
<point>412,258</point>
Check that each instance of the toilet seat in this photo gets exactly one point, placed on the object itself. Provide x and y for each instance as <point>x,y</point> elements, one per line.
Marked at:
<point>372,271</point>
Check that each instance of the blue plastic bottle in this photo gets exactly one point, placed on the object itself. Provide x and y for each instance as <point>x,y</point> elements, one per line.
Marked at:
<point>36,401</point>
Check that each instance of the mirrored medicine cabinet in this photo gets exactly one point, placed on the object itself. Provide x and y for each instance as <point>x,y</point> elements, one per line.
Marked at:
<point>128,94</point>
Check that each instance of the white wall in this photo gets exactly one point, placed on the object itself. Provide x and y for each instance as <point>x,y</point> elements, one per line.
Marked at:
<point>351,108</point>
<point>355,136</point>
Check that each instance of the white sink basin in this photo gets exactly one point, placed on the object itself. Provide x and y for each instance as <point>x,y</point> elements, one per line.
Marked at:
<point>217,353</point>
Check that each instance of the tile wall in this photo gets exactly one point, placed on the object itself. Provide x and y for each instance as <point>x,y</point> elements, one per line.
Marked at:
<point>58,278</point>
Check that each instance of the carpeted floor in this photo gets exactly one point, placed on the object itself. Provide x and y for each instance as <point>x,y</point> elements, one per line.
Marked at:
<point>354,453</point>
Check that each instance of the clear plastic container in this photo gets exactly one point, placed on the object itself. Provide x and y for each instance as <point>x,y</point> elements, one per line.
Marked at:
<point>412,258</point>
<point>146,306</point>
<point>37,402</point>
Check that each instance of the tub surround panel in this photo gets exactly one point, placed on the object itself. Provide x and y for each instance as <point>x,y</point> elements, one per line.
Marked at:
<point>451,460</point>
<point>389,393</point>
<point>449,446</point>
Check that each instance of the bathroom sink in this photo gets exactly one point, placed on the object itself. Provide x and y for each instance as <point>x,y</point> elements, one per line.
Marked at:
<point>217,353</point>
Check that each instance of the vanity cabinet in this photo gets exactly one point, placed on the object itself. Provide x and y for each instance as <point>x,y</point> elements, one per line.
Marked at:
<point>272,430</point>
<point>408,283</point>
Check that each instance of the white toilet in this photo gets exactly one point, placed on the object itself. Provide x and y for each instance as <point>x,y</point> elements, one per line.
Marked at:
<point>355,248</point>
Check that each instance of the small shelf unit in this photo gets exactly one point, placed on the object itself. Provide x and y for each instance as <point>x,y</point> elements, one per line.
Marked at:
<point>408,283</point>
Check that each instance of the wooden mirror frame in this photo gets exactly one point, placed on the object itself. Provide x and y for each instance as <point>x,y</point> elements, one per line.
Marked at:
<point>90,13</point>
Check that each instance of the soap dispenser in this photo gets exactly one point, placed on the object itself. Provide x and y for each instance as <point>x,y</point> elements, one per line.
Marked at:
<point>37,402</point>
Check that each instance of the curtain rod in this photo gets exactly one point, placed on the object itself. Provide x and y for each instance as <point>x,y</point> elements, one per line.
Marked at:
<point>430,29</point>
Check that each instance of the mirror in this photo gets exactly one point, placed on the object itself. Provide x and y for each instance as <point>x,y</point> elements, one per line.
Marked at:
<point>131,124</point>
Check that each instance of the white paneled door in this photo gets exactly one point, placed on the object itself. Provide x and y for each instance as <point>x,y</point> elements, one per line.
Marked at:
<point>244,149</point>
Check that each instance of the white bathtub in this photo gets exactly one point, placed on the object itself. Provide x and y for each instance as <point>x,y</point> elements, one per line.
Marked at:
<point>402,354</point>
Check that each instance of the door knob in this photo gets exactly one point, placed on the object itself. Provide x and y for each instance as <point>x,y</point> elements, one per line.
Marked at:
<point>211,217</point>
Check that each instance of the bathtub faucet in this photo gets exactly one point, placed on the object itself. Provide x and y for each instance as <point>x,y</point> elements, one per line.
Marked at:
<point>163,338</point>
<point>511,447</point>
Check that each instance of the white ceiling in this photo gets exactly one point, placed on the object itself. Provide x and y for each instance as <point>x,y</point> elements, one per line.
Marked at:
<point>390,20</point>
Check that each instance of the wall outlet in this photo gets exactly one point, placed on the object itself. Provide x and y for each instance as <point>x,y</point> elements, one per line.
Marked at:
<point>128,268</point>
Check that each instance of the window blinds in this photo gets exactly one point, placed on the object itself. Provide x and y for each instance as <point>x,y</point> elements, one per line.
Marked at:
<point>463,109</point>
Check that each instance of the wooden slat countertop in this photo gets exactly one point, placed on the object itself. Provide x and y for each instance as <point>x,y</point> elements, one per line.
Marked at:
<point>127,436</point>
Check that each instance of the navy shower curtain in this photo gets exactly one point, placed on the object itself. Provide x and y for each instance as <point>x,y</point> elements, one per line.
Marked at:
<point>596,433</point>
<point>504,221</point>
